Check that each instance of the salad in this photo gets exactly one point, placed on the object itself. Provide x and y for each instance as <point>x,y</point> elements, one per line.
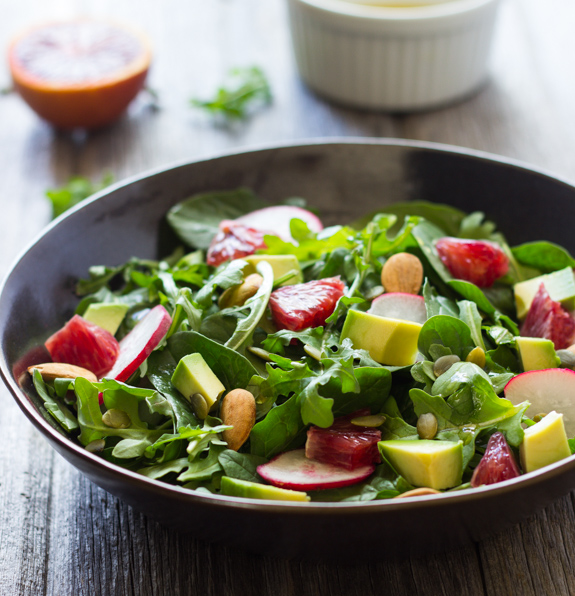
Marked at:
<point>411,352</point>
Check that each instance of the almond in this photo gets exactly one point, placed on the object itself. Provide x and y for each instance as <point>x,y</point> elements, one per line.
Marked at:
<point>238,410</point>
<point>61,370</point>
<point>418,492</point>
<point>402,272</point>
<point>237,295</point>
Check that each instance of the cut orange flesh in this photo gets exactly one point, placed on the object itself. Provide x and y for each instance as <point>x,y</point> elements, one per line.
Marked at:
<point>79,74</point>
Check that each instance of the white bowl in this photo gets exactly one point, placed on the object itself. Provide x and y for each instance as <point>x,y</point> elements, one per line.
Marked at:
<point>393,58</point>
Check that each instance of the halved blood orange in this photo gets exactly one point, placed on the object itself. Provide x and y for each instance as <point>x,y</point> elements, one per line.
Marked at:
<point>81,73</point>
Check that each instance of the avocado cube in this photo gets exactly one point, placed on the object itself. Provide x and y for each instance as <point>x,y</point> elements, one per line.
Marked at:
<point>389,341</point>
<point>281,265</point>
<point>107,315</point>
<point>252,490</point>
<point>422,462</point>
<point>560,285</point>
<point>536,353</point>
<point>544,443</point>
<point>193,376</point>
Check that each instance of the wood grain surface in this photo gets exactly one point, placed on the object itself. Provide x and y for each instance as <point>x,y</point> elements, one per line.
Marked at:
<point>60,534</point>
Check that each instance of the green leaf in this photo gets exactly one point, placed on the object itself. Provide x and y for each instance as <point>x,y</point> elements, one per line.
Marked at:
<point>161,367</point>
<point>174,466</point>
<point>445,217</point>
<point>446,331</point>
<point>56,407</point>
<point>228,275</point>
<point>73,192</point>
<point>232,369</point>
<point>256,306</point>
<point>470,316</point>
<point>472,293</point>
<point>202,469</point>
<point>241,465</point>
<point>545,256</point>
<point>279,430</point>
<point>245,90</point>
<point>196,220</point>
<point>275,342</point>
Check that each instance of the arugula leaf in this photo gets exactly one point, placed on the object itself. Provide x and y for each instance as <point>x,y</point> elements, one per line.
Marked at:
<point>445,217</point>
<point>203,468</point>
<point>228,275</point>
<point>275,342</point>
<point>74,191</point>
<point>56,407</point>
<point>256,305</point>
<point>470,316</point>
<point>246,89</point>
<point>438,305</point>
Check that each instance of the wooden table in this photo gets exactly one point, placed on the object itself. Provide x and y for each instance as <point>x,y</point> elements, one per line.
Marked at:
<point>60,534</point>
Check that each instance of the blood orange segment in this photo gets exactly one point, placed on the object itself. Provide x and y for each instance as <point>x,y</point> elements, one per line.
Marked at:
<point>477,261</point>
<point>80,73</point>
<point>343,443</point>
<point>548,319</point>
<point>293,470</point>
<point>84,344</point>
<point>233,241</point>
<point>305,305</point>
<point>497,464</point>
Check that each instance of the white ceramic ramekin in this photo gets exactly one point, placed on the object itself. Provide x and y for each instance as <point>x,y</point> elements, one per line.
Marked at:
<point>395,59</point>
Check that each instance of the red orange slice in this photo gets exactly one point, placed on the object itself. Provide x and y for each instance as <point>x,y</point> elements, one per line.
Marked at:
<point>81,73</point>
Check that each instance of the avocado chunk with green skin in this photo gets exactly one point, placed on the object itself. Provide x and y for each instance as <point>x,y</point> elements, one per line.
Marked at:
<point>429,463</point>
<point>107,315</point>
<point>388,341</point>
<point>560,285</point>
<point>281,265</point>
<point>193,376</point>
<point>544,443</point>
<point>252,490</point>
<point>537,353</point>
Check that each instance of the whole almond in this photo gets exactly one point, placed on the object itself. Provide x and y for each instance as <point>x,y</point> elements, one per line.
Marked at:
<point>237,295</point>
<point>238,410</point>
<point>60,370</point>
<point>402,272</point>
<point>418,492</point>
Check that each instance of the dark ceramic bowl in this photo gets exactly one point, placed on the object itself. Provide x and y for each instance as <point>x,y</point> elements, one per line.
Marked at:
<point>344,179</point>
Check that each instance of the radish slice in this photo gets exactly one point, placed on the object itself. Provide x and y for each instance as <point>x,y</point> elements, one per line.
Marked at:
<point>295,471</point>
<point>139,343</point>
<point>276,220</point>
<point>399,305</point>
<point>546,390</point>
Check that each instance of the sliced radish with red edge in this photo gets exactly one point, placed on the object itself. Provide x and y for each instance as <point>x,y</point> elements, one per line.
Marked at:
<point>399,305</point>
<point>140,343</point>
<point>546,390</point>
<point>295,471</point>
<point>276,220</point>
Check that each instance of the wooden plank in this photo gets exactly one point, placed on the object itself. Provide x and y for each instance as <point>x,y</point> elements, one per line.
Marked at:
<point>59,534</point>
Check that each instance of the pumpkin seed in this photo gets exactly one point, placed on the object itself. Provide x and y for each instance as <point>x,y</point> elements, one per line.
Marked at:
<point>444,363</point>
<point>116,418</point>
<point>427,426</point>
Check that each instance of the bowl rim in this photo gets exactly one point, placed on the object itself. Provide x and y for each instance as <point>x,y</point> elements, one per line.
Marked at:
<point>116,472</point>
<point>445,9</point>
